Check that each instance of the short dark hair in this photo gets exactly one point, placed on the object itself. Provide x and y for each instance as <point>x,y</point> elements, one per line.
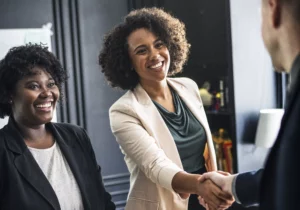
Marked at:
<point>114,57</point>
<point>293,6</point>
<point>18,63</point>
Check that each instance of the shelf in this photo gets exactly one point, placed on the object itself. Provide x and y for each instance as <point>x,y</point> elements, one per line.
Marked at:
<point>218,113</point>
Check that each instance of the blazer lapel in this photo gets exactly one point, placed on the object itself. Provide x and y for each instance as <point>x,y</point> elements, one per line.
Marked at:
<point>74,159</point>
<point>28,167</point>
<point>155,125</point>
<point>30,170</point>
<point>197,109</point>
<point>191,102</point>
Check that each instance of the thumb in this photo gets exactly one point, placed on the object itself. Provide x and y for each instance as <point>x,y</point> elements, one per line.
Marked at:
<point>206,176</point>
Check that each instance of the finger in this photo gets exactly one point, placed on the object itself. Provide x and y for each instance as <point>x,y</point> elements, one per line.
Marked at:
<point>224,173</point>
<point>204,177</point>
<point>223,199</point>
<point>223,195</point>
<point>206,207</point>
<point>211,207</point>
<point>202,201</point>
<point>210,195</point>
<point>213,201</point>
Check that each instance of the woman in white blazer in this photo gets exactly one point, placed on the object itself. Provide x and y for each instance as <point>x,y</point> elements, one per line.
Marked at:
<point>159,123</point>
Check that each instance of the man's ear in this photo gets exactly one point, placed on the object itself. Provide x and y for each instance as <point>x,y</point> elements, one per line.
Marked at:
<point>276,12</point>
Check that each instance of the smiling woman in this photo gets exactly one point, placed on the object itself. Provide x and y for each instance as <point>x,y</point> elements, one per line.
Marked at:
<point>43,165</point>
<point>160,122</point>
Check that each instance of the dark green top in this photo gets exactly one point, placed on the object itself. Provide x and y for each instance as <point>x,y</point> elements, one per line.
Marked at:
<point>188,133</point>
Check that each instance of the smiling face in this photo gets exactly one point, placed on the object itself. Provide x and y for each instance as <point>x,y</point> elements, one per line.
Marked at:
<point>149,56</point>
<point>34,98</point>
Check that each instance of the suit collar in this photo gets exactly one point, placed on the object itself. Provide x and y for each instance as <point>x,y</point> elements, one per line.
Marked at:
<point>16,143</point>
<point>143,97</point>
<point>152,117</point>
<point>295,78</point>
<point>291,97</point>
<point>28,167</point>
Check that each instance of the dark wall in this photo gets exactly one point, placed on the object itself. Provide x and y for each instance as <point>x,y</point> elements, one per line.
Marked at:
<point>78,28</point>
<point>14,15</point>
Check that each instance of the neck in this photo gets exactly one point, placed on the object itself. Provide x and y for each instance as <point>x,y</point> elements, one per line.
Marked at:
<point>157,90</point>
<point>290,46</point>
<point>32,133</point>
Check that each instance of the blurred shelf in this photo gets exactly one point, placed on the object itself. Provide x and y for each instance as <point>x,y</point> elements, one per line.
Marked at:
<point>218,113</point>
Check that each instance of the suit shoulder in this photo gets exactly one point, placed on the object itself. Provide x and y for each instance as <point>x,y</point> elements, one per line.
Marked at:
<point>2,141</point>
<point>123,102</point>
<point>185,81</point>
<point>68,127</point>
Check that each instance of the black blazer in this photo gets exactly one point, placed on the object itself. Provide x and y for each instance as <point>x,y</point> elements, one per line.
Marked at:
<point>277,186</point>
<point>280,185</point>
<point>23,186</point>
<point>247,187</point>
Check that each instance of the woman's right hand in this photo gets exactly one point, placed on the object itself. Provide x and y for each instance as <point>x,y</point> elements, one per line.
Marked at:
<point>213,197</point>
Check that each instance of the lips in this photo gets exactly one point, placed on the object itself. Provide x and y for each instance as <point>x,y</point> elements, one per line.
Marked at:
<point>156,66</point>
<point>44,106</point>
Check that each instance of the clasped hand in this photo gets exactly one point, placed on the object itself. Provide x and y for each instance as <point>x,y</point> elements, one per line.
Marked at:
<point>215,190</point>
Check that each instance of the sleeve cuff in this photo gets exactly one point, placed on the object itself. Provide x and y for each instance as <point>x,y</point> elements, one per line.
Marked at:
<point>234,190</point>
<point>166,175</point>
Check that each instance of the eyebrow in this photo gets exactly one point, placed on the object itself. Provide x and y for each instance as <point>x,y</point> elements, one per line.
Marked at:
<point>140,46</point>
<point>32,80</point>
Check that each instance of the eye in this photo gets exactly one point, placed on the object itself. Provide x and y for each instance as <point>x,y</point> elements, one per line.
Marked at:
<point>33,86</point>
<point>159,44</point>
<point>51,84</point>
<point>141,51</point>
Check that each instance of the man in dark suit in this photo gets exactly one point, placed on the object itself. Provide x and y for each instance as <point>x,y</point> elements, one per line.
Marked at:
<point>277,186</point>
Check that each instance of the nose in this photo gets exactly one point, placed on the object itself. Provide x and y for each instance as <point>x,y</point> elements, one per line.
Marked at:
<point>154,54</point>
<point>46,93</point>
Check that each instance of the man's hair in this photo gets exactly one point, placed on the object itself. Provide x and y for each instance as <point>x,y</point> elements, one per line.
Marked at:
<point>294,7</point>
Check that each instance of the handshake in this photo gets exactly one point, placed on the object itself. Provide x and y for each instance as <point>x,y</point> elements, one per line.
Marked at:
<point>216,193</point>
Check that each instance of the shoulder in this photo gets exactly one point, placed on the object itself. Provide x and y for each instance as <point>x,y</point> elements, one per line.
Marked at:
<point>2,140</point>
<point>124,103</point>
<point>68,130</point>
<point>185,81</point>
<point>67,127</point>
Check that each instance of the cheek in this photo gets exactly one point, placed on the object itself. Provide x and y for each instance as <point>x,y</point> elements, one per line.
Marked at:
<point>56,93</point>
<point>139,63</point>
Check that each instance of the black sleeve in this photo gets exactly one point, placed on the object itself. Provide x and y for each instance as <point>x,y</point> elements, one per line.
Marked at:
<point>247,187</point>
<point>109,205</point>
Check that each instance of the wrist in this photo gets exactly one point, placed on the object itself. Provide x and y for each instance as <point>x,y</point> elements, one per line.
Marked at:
<point>228,183</point>
<point>198,185</point>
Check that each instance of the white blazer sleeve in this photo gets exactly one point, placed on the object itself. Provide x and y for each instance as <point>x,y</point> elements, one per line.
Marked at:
<point>139,146</point>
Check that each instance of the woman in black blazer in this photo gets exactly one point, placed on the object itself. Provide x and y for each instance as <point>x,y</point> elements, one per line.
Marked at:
<point>43,165</point>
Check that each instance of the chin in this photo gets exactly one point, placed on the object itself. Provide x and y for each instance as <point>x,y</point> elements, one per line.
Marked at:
<point>277,67</point>
<point>44,120</point>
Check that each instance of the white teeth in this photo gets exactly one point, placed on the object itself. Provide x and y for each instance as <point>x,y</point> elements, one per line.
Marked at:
<point>43,105</point>
<point>156,65</point>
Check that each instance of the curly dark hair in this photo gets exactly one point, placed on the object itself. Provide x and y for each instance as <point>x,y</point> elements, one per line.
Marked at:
<point>114,57</point>
<point>18,63</point>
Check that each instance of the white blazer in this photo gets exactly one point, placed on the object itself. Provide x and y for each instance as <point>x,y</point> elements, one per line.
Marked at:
<point>150,151</point>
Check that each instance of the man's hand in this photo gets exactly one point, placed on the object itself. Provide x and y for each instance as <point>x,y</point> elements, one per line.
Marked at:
<point>220,178</point>
<point>224,181</point>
